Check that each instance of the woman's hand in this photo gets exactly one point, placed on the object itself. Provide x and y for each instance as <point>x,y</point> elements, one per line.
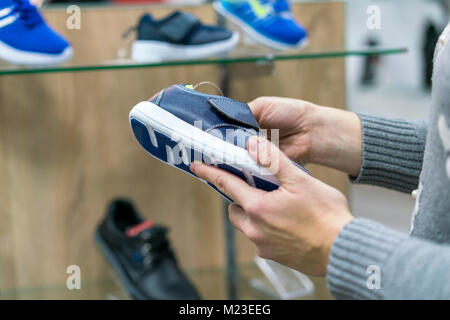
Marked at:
<point>294,225</point>
<point>309,133</point>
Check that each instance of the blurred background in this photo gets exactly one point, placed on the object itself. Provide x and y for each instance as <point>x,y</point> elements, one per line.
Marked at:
<point>396,86</point>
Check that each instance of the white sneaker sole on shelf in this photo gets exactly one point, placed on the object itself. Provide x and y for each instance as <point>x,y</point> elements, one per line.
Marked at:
<point>16,56</point>
<point>256,35</point>
<point>158,120</point>
<point>159,51</point>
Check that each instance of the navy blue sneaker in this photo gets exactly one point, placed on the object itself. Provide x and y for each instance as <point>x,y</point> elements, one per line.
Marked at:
<point>25,38</point>
<point>180,125</point>
<point>265,21</point>
<point>179,36</point>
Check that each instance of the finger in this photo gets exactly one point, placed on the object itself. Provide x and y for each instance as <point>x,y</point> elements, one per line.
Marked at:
<point>269,156</point>
<point>256,104</point>
<point>257,107</point>
<point>238,217</point>
<point>227,183</point>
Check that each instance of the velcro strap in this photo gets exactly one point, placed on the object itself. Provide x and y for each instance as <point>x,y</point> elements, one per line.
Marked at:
<point>236,111</point>
<point>179,26</point>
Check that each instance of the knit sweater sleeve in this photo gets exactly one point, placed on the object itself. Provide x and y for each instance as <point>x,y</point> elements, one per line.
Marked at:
<point>371,261</point>
<point>392,153</point>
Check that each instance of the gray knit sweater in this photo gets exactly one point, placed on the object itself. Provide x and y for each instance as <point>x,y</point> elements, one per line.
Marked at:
<point>371,261</point>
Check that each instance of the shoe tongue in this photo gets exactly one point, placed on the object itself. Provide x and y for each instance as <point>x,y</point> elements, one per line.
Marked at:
<point>29,13</point>
<point>139,228</point>
<point>281,6</point>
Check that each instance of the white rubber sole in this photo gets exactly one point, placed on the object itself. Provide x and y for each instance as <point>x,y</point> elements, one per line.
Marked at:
<point>188,136</point>
<point>157,51</point>
<point>16,56</point>
<point>255,35</point>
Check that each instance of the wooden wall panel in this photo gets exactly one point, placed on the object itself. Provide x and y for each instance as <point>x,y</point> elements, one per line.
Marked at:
<point>66,149</point>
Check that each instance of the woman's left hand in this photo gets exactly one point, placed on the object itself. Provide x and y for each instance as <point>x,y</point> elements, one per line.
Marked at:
<point>294,225</point>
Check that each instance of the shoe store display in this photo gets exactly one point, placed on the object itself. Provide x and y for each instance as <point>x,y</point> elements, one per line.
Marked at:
<point>25,37</point>
<point>179,36</point>
<point>268,22</point>
<point>179,125</point>
<point>168,158</point>
<point>139,252</point>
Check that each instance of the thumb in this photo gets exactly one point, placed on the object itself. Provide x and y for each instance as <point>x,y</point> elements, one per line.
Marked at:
<point>257,106</point>
<point>269,156</point>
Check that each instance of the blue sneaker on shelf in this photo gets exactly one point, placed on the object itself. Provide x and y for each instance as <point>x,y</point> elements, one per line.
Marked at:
<point>25,38</point>
<point>266,21</point>
<point>180,125</point>
<point>281,7</point>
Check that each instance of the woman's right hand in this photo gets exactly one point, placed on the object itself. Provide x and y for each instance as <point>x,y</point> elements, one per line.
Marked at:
<point>309,133</point>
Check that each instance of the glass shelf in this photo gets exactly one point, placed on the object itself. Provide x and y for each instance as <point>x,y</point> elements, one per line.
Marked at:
<point>241,55</point>
<point>210,283</point>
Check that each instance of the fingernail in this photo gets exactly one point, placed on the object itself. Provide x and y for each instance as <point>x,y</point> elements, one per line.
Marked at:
<point>193,167</point>
<point>253,145</point>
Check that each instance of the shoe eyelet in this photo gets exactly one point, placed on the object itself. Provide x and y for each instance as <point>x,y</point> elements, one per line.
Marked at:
<point>146,248</point>
<point>148,261</point>
<point>145,235</point>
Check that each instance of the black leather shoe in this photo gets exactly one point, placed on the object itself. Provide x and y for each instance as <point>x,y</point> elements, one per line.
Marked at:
<point>140,253</point>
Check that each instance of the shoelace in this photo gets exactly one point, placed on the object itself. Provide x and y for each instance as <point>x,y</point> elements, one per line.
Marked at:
<point>27,12</point>
<point>268,19</point>
<point>211,84</point>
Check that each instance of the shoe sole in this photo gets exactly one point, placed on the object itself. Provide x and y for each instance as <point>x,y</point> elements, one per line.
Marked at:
<point>16,56</point>
<point>124,280</point>
<point>157,51</point>
<point>177,143</point>
<point>256,35</point>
